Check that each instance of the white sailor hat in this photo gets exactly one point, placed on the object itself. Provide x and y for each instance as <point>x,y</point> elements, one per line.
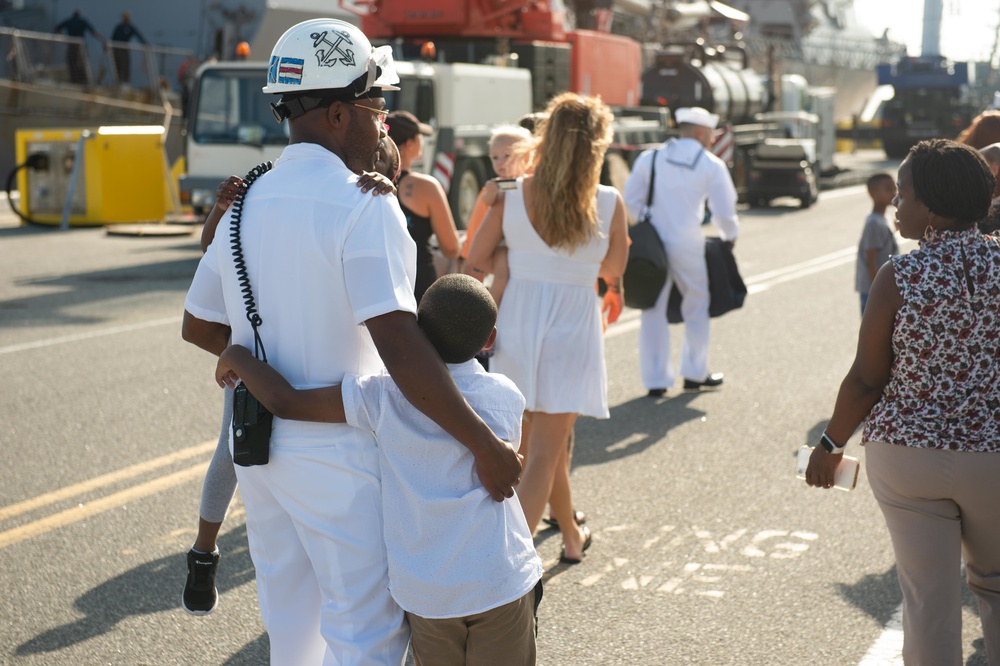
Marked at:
<point>696,115</point>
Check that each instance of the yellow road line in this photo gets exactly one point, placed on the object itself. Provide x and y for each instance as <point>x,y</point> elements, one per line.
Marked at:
<point>100,505</point>
<point>104,480</point>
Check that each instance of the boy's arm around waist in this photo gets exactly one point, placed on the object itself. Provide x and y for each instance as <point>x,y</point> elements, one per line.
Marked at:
<point>324,405</point>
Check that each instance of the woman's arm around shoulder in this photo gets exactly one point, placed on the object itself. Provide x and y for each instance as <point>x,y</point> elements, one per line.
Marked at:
<point>224,195</point>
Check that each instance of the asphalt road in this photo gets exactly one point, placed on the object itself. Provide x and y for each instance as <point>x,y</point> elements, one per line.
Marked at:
<point>707,550</point>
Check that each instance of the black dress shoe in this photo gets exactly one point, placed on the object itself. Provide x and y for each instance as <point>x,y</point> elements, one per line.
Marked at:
<point>656,393</point>
<point>714,380</point>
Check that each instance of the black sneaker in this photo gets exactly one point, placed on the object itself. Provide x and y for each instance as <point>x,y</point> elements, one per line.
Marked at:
<point>200,596</point>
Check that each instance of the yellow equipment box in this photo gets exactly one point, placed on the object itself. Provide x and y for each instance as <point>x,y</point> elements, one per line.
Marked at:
<point>122,179</point>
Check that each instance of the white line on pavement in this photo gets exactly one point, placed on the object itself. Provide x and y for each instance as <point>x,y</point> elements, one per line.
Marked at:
<point>629,320</point>
<point>101,332</point>
<point>887,650</point>
<point>842,191</point>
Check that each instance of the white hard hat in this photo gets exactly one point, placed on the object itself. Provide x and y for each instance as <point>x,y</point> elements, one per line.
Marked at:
<point>329,55</point>
<point>695,115</point>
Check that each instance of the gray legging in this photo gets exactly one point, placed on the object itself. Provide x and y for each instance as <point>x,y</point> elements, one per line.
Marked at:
<point>220,479</point>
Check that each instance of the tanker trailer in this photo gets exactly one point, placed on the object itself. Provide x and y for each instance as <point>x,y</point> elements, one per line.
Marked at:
<point>720,80</point>
<point>717,79</point>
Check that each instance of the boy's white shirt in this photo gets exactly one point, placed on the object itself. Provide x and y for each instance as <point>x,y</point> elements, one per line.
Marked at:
<point>452,550</point>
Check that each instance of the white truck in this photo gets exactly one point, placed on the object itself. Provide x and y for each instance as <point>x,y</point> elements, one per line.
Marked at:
<point>231,128</point>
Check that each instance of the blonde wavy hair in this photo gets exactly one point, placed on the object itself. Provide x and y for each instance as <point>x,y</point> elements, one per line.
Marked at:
<point>572,139</point>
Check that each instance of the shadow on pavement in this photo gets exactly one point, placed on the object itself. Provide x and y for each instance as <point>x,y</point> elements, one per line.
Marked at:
<point>153,587</point>
<point>257,652</point>
<point>74,290</point>
<point>634,426</point>
<point>877,595</point>
<point>27,230</point>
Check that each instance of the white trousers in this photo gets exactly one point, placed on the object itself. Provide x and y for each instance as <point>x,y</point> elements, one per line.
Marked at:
<point>688,269</point>
<point>314,523</point>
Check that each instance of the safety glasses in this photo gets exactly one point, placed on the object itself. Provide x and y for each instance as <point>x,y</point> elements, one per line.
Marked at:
<point>380,114</point>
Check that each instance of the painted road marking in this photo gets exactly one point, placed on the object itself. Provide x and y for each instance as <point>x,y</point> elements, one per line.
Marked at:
<point>101,505</point>
<point>695,561</point>
<point>630,319</point>
<point>88,335</point>
<point>887,650</point>
<point>104,480</point>
<point>842,191</point>
<point>106,503</point>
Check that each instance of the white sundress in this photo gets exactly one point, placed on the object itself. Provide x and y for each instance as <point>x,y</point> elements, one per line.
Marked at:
<point>550,340</point>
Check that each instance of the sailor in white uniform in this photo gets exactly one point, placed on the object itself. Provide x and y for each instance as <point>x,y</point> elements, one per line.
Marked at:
<point>687,175</point>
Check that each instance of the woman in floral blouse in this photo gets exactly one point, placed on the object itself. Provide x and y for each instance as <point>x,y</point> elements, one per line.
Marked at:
<point>926,383</point>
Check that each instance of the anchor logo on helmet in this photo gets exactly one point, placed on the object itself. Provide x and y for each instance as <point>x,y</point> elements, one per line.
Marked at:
<point>328,57</point>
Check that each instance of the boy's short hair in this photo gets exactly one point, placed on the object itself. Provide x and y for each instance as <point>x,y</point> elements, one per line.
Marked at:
<point>387,160</point>
<point>457,314</point>
<point>874,179</point>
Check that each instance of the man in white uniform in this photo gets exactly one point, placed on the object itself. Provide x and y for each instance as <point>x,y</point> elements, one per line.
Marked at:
<point>687,175</point>
<point>332,273</point>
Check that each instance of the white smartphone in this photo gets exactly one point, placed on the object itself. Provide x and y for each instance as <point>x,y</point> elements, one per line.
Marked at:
<point>507,183</point>
<point>846,477</point>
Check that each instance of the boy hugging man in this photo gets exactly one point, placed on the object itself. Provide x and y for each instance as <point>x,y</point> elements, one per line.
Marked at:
<point>462,566</point>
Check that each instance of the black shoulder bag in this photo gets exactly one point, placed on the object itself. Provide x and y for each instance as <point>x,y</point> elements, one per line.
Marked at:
<point>646,270</point>
<point>251,420</point>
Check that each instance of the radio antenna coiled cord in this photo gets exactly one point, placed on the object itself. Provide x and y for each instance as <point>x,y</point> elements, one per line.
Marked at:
<point>241,267</point>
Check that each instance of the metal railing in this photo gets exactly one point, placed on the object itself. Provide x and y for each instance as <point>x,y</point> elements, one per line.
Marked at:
<point>847,52</point>
<point>47,58</point>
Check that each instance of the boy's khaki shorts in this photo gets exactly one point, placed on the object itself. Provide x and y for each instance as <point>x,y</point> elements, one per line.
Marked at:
<point>502,636</point>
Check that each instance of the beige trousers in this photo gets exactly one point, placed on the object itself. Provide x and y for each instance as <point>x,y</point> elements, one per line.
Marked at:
<point>939,506</point>
<point>502,636</point>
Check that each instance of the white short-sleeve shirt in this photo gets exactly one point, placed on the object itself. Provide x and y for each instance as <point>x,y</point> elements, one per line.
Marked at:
<point>322,258</point>
<point>452,550</point>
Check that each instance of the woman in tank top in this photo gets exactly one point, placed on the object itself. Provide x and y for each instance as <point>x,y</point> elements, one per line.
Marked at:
<point>422,199</point>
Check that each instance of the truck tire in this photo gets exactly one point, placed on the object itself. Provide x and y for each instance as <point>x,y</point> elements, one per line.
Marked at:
<point>469,178</point>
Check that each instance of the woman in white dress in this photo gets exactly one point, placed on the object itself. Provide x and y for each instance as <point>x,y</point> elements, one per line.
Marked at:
<point>563,231</point>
